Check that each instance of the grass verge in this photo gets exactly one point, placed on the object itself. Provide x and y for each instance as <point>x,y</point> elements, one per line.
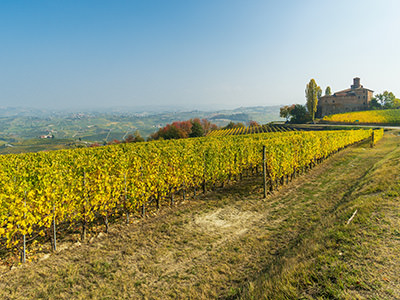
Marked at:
<point>336,260</point>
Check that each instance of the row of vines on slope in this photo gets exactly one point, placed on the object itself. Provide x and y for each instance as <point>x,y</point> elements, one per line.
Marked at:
<point>377,135</point>
<point>40,191</point>
<point>387,116</point>
<point>250,129</point>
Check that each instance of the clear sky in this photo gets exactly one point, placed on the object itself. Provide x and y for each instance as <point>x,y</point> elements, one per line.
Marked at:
<point>199,54</point>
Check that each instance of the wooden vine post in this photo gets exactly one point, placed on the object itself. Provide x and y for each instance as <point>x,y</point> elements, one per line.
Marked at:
<point>143,207</point>
<point>184,191</point>
<point>158,200</point>
<point>264,172</point>
<point>143,210</point>
<point>83,234</point>
<point>372,139</point>
<point>204,174</point>
<point>126,200</point>
<point>172,196</point>
<point>23,254</point>
<point>54,229</point>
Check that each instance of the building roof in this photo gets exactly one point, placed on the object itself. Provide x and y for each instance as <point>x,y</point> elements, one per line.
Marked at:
<point>347,92</point>
<point>351,91</point>
<point>343,91</point>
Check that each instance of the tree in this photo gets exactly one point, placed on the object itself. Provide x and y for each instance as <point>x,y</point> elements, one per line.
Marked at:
<point>396,103</point>
<point>387,100</point>
<point>299,114</point>
<point>113,142</point>
<point>285,112</point>
<point>374,104</point>
<point>253,123</point>
<point>233,125</point>
<point>129,139</point>
<point>319,94</point>
<point>184,129</point>
<point>134,138</point>
<point>328,91</point>
<point>207,126</point>
<point>172,131</point>
<point>230,125</point>
<point>197,129</point>
<point>313,93</point>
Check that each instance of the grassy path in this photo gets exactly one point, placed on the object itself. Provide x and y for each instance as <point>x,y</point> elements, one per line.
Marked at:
<point>231,244</point>
<point>335,260</point>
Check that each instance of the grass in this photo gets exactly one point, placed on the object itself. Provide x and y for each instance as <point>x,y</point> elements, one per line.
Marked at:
<point>232,244</point>
<point>339,261</point>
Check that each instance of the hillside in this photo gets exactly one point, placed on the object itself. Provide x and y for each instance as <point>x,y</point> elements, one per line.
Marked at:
<point>388,116</point>
<point>232,244</point>
<point>96,126</point>
<point>20,128</point>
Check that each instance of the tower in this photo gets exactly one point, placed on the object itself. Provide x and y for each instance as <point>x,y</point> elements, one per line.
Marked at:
<point>356,83</point>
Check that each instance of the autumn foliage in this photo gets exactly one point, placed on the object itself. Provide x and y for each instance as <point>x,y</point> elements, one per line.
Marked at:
<point>184,129</point>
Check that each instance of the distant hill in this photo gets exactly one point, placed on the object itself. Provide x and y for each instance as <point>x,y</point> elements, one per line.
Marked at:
<point>20,124</point>
<point>238,117</point>
<point>387,116</point>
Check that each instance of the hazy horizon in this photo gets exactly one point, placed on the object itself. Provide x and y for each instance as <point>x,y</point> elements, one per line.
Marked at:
<point>207,54</point>
<point>152,109</point>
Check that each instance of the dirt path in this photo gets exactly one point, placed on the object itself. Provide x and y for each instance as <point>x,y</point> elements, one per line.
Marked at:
<point>208,248</point>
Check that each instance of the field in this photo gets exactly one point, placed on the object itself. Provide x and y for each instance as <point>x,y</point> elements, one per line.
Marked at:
<point>250,130</point>
<point>37,145</point>
<point>389,116</point>
<point>43,192</point>
<point>232,244</point>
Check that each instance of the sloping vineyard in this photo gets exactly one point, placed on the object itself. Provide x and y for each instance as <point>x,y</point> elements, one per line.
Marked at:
<point>41,191</point>
<point>387,116</point>
<point>251,129</point>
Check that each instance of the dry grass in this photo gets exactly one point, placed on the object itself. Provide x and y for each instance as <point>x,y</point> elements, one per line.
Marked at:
<point>231,243</point>
<point>338,261</point>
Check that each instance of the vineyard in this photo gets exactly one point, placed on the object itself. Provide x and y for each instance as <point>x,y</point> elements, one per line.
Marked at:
<point>389,116</point>
<point>250,130</point>
<point>41,192</point>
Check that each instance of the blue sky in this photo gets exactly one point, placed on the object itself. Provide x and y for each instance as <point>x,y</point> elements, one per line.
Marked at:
<point>196,54</point>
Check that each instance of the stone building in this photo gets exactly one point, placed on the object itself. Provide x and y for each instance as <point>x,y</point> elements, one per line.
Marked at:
<point>353,99</point>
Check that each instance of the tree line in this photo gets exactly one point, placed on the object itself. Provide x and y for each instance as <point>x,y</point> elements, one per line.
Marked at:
<point>179,130</point>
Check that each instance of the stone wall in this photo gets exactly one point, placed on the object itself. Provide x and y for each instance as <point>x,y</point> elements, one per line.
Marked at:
<point>335,104</point>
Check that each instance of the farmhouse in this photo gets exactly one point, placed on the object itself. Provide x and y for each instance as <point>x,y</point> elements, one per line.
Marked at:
<point>353,99</point>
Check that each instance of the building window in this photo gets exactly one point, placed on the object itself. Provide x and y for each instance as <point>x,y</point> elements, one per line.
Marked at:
<point>359,97</point>
<point>363,97</point>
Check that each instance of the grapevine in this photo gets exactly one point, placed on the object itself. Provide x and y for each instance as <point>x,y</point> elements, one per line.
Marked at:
<point>40,191</point>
